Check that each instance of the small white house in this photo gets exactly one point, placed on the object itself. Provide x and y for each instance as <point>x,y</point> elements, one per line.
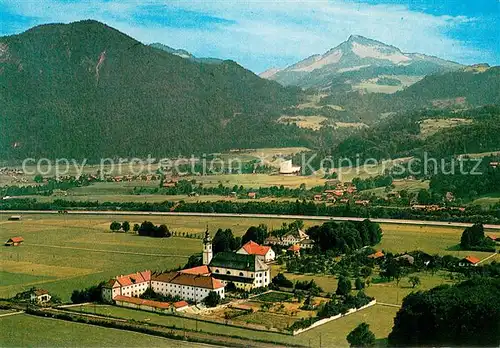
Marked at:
<point>40,296</point>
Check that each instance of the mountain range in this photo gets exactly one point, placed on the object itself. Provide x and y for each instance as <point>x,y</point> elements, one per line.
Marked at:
<point>185,54</point>
<point>87,90</point>
<point>360,62</point>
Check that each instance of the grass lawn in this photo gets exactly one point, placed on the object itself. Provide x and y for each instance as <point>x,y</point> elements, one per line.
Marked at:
<point>267,319</point>
<point>330,334</point>
<point>17,332</point>
<point>257,180</point>
<point>431,126</point>
<point>149,198</point>
<point>63,253</point>
<point>273,297</point>
<point>487,201</point>
<point>440,240</point>
<point>409,185</point>
<point>66,252</point>
<point>9,278</point>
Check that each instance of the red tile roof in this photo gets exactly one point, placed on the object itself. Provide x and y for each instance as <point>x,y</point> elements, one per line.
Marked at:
<point>134,278</point>
<point>197,281</point>
<point>164,277</point>
<point>294,247</point>
<point>142,302</point>
<point>16,239</point>
<point>180,304</point>
<point>188,279</point>
<point>39,292</point>
<point>253,248</point>
<point>376,255</point>
<point>112,283</point>
<point>472,259</point>
<point>200,270</point>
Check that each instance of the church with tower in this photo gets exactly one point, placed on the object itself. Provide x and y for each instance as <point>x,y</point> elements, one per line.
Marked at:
<point>246,272</point>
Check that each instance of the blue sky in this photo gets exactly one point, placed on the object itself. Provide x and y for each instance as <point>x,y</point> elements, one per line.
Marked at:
<point>260,34</point>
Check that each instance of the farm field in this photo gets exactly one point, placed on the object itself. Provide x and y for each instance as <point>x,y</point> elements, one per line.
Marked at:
<point>409,185</point>
<point>257,180</point>
<point>310,122</point>
<point>17,332</point>
<point>151,198</point>
<point>431,239</point>
<point>431,126</point>
<point>125,168</point>
<point>388,292</point>
<point>330,334</point>
<point>487,201</point>
<point>66,252</point>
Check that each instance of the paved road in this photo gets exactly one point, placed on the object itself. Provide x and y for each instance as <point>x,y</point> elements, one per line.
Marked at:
<point>261,216</point>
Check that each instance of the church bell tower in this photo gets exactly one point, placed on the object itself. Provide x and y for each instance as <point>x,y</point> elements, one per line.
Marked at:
<point>207,248</point>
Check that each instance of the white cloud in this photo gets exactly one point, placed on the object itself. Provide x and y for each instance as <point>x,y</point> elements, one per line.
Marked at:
<point>269,32</point>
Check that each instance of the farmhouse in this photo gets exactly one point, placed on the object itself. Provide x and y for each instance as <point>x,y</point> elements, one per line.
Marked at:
<point>39,296</point>
<point>306,244</point>
<point>264,252</point>
<point>15,218</point>
<point>469,261</point>
<point>294,237</point>
<point>376,255</point>
<point>291,238</point>
<point>14,241</point>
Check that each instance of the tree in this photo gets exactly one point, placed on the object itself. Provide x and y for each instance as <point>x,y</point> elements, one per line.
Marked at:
<point>223,241</point>
<point>136,227</point>
<point>212,299</point>
<point>255,233</point>
<point>344,286</point>
<point>162,231</point>
<point>414,281</point>
<point>361,336</point>
<point>465,314</point>
<point>194,260</point>
<point>365,271</point>
<point>126,226</point>
<point>115,226</point>
<point>473,239</point>
<point>281,281</point>
<point>359,284</point>
<point>38,179</point>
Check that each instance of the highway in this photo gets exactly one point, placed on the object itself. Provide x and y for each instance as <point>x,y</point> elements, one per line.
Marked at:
<point>257,216</point>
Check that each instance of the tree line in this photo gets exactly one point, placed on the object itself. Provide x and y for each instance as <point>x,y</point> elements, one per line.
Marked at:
<point>303,207</point>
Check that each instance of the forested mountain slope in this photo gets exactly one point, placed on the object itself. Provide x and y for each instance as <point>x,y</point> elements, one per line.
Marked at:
<point>87,90</point>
